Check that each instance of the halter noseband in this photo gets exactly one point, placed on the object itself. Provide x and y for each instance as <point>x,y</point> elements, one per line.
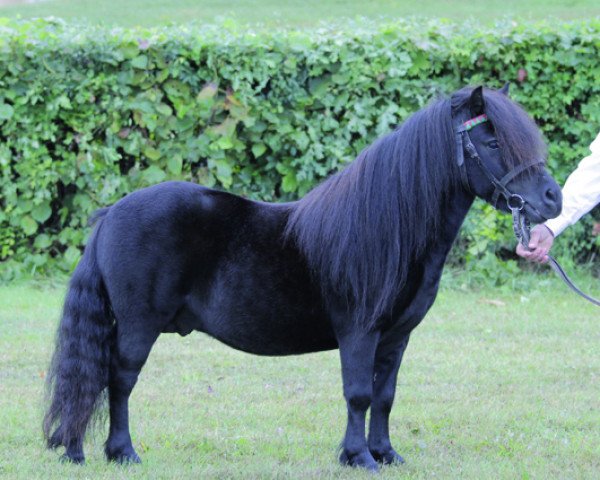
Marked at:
<point>463,142</point>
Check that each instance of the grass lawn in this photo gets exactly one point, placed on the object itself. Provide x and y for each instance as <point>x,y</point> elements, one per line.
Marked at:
<point>492,386</point>
<point>291,12</point>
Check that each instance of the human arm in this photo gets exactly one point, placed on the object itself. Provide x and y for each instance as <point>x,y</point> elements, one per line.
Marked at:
<point>581,193</point>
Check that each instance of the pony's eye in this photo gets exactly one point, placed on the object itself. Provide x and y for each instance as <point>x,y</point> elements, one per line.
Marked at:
<point>493,144</point>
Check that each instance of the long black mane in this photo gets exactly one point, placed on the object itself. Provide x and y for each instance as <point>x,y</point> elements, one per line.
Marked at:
<point>361,228</point>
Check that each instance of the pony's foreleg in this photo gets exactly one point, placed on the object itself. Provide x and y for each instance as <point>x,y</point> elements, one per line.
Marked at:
<point>129,353</point>
<point>387,364</point>
<point>357,353</point>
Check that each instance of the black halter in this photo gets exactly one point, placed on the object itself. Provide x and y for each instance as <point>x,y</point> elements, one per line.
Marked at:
<point>463,142</point>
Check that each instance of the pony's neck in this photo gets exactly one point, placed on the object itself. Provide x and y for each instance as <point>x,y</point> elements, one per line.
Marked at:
<point>453,213</point>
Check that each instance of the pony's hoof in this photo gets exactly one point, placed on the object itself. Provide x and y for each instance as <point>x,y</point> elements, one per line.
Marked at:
<point>123,455</point>
<point>125,458</point>
<point>70,458</point>
<point>361,460</point>
<point>390,457</point>
<point>55,440</point>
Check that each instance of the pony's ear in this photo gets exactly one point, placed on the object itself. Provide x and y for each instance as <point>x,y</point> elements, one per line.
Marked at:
<point>476,103</point>
<point>504,89</point>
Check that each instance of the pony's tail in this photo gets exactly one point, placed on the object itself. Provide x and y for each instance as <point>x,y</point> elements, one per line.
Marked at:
<point>78,372</point>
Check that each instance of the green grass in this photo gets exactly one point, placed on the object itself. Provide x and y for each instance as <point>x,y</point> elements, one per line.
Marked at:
<point>492,386</point>
<point>295,13</point>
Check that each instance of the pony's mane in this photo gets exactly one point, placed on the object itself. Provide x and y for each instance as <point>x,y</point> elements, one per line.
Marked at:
<point>361,228</point>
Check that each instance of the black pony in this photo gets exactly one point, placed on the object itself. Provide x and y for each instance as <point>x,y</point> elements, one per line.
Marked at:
<point>354,265</point>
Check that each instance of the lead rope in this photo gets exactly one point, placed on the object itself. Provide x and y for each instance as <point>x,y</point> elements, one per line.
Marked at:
<point>521,228</point>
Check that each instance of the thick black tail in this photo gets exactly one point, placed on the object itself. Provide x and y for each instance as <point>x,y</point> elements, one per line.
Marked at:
<point>78,373</point>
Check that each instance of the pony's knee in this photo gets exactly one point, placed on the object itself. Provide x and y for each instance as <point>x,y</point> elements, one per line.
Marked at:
<point>359,399</point>
<point>384,404</point>
<point>384,401</point>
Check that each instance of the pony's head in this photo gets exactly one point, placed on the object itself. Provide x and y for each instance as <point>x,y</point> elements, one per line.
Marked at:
<point>501,155</point>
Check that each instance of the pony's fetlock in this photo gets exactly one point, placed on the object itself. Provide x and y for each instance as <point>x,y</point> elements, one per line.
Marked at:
<point>118,449</point>
<point>55,439</point>
<point>76,458</point>
<point>388,457</point>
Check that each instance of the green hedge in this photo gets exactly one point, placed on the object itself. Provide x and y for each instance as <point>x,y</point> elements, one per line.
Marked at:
<point>89,114</point>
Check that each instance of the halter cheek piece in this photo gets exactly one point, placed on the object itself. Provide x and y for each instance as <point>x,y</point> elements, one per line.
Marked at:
<point>514,201</point>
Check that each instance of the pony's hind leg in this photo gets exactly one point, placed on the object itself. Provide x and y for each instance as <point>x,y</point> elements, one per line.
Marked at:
<point>129,353</point>
<point>387,364</point>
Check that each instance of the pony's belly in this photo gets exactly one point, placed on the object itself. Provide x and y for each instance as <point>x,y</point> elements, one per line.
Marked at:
<point>275,342</point>
<point>266,334</point>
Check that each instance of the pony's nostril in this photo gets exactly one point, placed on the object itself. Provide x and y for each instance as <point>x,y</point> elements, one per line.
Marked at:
<point>551,195</point>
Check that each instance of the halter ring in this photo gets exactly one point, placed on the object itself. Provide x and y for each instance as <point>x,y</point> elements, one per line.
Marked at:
<point>515,202</point>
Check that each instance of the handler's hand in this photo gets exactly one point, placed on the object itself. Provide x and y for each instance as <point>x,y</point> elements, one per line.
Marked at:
<point>540,243</point>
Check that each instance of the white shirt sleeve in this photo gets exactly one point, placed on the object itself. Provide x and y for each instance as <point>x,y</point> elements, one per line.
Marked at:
<point>581,191</point>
